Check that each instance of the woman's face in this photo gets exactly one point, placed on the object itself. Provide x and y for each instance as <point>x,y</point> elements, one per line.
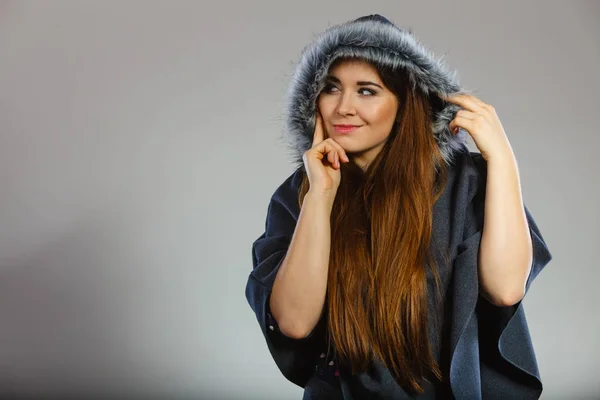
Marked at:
<point>355,95</point>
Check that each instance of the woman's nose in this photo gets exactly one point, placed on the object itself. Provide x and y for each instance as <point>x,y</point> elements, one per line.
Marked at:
<point>346,105</point>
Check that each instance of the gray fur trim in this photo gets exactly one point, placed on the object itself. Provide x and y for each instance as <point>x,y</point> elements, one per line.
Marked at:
<point>378,40</point>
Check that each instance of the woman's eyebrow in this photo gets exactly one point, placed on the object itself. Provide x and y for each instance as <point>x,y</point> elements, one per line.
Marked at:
<point>360,83</point>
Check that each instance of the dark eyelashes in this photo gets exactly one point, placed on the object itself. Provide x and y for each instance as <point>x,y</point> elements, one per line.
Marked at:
<point>329,86</point>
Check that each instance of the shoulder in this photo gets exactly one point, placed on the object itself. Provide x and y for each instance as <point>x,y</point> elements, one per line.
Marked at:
<point>478,162</point>
<point>465,161</point>
<point>286,194</point>
<point>291,184</point>
<point>467,172</point>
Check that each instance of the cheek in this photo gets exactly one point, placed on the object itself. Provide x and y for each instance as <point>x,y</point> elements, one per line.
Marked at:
<point>379,114</point>
<point>325,106</point>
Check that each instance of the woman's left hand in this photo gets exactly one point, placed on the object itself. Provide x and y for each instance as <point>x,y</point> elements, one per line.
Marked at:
<point>482,123</point>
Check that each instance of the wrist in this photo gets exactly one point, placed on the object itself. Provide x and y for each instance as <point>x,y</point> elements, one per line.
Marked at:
<point>325,198</point>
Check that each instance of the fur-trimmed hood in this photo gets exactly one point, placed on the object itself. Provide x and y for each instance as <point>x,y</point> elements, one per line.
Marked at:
<point>376,39</point>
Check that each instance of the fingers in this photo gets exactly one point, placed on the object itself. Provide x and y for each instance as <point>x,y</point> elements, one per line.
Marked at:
<point>333,151</point>
<point>331,157</point>
<point>341,153</point>
<point>467,101</point>
<point>329,148</point>
<point>319,134</point>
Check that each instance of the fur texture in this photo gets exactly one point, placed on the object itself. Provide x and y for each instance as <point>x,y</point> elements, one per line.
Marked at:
<point>378,40</point>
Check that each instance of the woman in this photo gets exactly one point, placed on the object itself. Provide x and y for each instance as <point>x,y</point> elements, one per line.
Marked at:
<point>394,260</point>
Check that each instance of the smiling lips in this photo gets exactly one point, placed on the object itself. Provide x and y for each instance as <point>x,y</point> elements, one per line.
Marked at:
<point>346,128</point>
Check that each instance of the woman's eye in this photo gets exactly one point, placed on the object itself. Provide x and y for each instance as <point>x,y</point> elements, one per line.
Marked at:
<point>362,91</point>
<point>369,92</point>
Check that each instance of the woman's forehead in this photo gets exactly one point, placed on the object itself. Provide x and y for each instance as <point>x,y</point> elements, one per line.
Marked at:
<point>351,69</point>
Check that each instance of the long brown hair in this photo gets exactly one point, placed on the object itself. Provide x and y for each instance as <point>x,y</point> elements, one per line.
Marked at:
<point>381,227</point>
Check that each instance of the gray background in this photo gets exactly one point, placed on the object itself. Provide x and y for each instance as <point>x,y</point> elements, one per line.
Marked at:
<point>139,147</point>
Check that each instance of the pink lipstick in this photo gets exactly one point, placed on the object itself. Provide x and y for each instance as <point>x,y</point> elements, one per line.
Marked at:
<point>345,128</point>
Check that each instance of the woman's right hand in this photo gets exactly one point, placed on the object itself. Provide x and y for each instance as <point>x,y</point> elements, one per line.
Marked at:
<point>322,161</point>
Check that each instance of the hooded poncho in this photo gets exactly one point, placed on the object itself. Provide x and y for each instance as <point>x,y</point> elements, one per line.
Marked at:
<point>486,350</point>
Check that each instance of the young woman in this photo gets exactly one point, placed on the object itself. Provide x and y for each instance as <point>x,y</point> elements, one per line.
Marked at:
<point>394,260</point>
